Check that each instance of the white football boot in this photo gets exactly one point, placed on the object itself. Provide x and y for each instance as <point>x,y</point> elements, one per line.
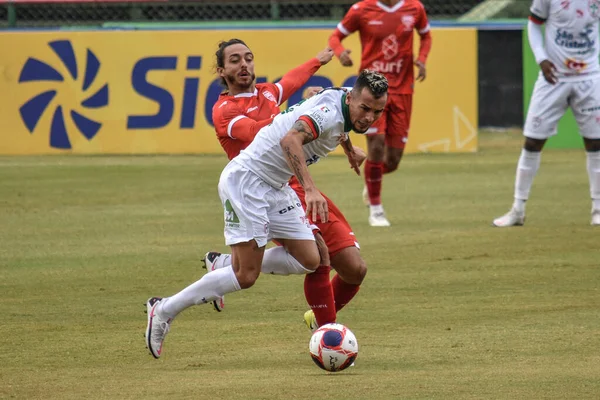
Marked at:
<point>210,260</point>
<point>377,216</point>
<point>595,217</point>
<point>511,218</point>
<point>157,327</point>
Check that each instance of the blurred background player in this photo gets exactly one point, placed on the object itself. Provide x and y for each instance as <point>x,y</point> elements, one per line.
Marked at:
<point>254,190</point>
<point>386,35</point>
<point>237,118</point>
<point>569,77</point>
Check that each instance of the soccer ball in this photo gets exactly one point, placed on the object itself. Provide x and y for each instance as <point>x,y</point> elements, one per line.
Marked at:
<point>333,347</point>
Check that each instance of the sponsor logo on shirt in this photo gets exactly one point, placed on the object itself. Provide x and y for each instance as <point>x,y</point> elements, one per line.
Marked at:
<point>575,65</point>
<point>581,41</point>
<point>375,22</point>
<point>251,109</point>
<point>389,47</point>
<point>387,67</point>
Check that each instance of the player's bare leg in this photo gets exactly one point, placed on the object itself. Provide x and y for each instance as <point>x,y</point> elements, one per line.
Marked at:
<point>351,271</point>
<point>527,167</point>
<point>592,147</point>
<point>373,178</point>
<point>393,156</point>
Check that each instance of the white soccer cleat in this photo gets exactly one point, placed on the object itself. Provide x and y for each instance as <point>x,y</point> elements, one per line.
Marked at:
<point>365,196</point>
<point>511,218</point>
<point>157,327</point>
<point>378,219</point>
<point>596,217</point>
<point>209,260</point>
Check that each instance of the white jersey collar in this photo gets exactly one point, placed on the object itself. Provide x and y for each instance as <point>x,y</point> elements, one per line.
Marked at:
<point>390,9</point>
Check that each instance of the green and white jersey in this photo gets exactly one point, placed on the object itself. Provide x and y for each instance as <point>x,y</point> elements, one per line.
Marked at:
<point>328,115</point>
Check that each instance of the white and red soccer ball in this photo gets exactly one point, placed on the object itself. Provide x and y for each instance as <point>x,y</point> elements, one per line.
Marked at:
<point>333,347</point>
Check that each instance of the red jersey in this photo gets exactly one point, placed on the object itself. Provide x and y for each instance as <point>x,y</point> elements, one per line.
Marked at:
<point>386,36</point>
<point>238,118</point>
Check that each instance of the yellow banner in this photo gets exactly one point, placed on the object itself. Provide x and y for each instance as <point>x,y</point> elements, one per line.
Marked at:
<point>143,92</point>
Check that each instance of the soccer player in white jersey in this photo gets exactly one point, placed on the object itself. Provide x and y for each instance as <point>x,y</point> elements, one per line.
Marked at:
<point>259,204</point>
<point>569,77</point>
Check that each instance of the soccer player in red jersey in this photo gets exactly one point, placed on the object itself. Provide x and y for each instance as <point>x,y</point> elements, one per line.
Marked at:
<point>239,113</point>
<point>386,35</point>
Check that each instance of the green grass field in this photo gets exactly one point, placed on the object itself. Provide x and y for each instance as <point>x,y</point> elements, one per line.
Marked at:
<point>451,308</point>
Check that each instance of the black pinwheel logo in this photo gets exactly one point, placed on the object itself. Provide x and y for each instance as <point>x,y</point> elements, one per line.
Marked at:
<point>32,110</point>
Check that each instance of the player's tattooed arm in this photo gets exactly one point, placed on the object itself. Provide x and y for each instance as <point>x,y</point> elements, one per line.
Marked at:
<point>292,143</point>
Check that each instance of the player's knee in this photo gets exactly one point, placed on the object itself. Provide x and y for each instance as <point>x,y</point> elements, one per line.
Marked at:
<point>354,272</point>
<point>311,260</point>
<point>534,145</point>
<point>392,165</point>
<point>359,272</point>
<point>247,276</point>
<point>592,145</point>
<point>376,153</point>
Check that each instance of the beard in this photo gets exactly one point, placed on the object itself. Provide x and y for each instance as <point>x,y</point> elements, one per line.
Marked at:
<point>232,81</point>
<point>358,130</point>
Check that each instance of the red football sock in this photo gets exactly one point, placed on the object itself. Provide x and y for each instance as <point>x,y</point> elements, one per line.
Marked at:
<point>373,177</point>
<point>319,295</point>
<point>343,292</point>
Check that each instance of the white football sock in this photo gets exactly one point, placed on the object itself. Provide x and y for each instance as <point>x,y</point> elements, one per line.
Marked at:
<point>527,167</point>
<point>276,261</point>
<point>210,287</point>
<point>593,168</point>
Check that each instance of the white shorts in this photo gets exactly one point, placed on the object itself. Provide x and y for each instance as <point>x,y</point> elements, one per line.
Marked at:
<point>550,102</point>
<point>256,210</point>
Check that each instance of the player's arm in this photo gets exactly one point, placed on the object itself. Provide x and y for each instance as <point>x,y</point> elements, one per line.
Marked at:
<point>296,78</point>
<point>230,122</point>
<point>538,16</point>
<point>349,24</point>
<point>356,155</point>
<point>304,131</point>
<point>424,30</point>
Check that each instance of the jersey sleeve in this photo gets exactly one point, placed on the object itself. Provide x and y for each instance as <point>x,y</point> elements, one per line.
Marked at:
<point>295,79</point>
<point>540,10</point>
<point>422,24</point>
<point>320,119</point>
<point>231,122</point>
<point>349,24</point>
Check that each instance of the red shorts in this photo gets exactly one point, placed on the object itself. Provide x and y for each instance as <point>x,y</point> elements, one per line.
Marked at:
<point>395,121</point>
<point>336,232</point>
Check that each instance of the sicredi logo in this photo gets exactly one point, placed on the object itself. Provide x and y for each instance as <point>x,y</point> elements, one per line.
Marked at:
<point>32,110</point>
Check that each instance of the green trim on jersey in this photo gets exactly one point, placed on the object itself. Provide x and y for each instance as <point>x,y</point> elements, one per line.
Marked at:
<point>317,127</point>
<point>346,114</point>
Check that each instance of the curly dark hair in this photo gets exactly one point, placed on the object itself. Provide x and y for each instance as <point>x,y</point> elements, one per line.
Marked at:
<point>376,82</point>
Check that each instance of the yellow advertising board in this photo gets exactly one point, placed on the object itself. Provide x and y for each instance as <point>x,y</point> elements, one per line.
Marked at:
<point>152,91</point>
